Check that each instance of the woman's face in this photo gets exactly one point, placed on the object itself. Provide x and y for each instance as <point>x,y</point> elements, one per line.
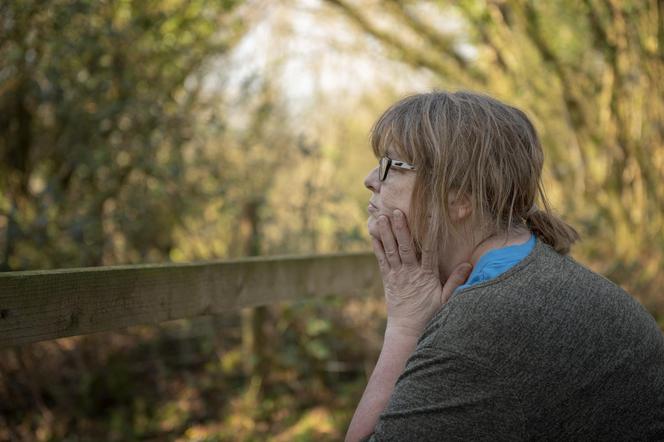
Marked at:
<point>394,192</point>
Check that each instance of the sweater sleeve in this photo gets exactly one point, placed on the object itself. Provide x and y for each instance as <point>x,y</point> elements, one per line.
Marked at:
<point>446,395</point>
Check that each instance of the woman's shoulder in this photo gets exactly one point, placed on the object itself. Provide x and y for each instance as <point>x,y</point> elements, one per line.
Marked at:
<point>547,294</point>
<point>548,273</point>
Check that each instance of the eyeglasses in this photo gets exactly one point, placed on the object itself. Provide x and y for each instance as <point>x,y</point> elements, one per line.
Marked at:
<point>385,163</point>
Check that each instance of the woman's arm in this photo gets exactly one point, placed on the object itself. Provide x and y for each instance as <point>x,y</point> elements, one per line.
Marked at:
<point>397,347</point>
<point>413,293</point>
<point>444,393</point>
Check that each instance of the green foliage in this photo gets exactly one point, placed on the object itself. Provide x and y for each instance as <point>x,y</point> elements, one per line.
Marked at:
<point>113,151</point>
<point>96,112</point>
<point>185,380</point>
<point>589,73</point>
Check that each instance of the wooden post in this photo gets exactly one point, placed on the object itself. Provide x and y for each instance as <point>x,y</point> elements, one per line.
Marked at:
<point>257,358</point>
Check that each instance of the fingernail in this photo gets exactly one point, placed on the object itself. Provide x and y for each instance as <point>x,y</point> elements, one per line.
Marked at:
<point>397,213</point>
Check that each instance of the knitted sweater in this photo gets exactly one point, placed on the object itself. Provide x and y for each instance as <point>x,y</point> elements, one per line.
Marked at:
<point>548,350</point>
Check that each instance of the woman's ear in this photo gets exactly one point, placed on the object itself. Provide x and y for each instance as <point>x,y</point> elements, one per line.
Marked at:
<point>460,206</point>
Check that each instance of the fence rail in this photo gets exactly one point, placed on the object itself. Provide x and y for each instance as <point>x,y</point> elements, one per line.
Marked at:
<point>49,304</point>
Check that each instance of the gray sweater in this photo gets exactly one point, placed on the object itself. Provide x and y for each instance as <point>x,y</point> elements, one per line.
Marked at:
<point>549,350</point>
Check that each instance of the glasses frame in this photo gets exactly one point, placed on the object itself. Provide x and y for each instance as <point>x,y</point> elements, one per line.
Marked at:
<point>385,163</point>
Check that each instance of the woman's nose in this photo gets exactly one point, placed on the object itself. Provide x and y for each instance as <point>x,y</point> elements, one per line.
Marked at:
<point>372,182</point>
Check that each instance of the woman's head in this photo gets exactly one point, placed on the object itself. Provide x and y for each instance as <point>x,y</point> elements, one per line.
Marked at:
<point>480,156</point>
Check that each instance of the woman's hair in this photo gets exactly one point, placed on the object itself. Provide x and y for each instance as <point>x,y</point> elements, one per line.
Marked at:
<point>479,147</point>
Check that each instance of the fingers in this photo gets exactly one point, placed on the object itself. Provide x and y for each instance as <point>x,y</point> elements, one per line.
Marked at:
<point>404,239</point>
<point>458,277</point>
<point>380,255</point>
<point>389,243</point>
<point>429,258</point>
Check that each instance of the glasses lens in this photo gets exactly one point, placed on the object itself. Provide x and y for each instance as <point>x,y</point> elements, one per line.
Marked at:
<point>384,165</point>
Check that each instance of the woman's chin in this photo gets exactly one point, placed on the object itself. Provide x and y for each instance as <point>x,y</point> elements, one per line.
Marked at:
<point>372,227</point>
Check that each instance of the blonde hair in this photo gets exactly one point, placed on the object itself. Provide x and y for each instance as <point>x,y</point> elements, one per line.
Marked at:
<point>479,147</point>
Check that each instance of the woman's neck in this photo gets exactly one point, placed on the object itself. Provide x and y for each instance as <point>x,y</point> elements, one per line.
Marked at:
<point>472,252</point>
<point>514,237</point>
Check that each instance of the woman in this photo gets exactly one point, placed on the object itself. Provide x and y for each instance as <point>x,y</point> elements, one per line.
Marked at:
<point>534,346</point>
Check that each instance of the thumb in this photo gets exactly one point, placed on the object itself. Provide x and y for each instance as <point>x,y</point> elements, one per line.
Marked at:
<point>459,275</point>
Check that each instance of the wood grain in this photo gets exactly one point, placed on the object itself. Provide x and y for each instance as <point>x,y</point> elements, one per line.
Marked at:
<point>41,305</point>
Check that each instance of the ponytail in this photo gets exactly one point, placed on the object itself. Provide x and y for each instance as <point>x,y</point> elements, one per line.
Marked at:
<point>551,229</point>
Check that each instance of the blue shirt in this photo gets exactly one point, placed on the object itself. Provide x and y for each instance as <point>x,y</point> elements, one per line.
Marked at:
<point>497,261</point>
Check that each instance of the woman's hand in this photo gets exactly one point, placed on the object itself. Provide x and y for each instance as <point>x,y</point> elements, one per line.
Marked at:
<point>413,290</point>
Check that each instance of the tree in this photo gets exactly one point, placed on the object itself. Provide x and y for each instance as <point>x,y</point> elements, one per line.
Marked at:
<point>589,73</point>
<point>96,109</point>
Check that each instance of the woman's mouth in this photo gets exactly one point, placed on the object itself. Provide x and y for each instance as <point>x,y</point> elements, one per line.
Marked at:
<point>371,208</point>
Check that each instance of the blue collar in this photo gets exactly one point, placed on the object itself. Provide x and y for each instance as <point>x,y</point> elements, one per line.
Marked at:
<point>497,261</point>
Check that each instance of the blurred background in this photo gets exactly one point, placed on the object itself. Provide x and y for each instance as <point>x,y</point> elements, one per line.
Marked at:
<point>150,131</point>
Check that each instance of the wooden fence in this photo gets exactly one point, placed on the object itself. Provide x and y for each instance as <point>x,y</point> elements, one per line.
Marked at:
<point>41,305</point>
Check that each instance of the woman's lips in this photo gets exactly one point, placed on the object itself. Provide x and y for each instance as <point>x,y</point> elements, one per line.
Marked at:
<point>371,208</point>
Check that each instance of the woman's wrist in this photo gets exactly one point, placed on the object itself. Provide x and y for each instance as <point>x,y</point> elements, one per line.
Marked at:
<point>398,346</point>
<point>397,329</point>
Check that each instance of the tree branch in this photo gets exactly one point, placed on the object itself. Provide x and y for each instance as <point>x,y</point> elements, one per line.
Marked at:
<point>410,55</point>
<point>435,39</point>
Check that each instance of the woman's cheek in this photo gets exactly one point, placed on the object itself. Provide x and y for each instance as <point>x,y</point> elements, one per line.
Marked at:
<point>388,205</point>
<point>398,199</point>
